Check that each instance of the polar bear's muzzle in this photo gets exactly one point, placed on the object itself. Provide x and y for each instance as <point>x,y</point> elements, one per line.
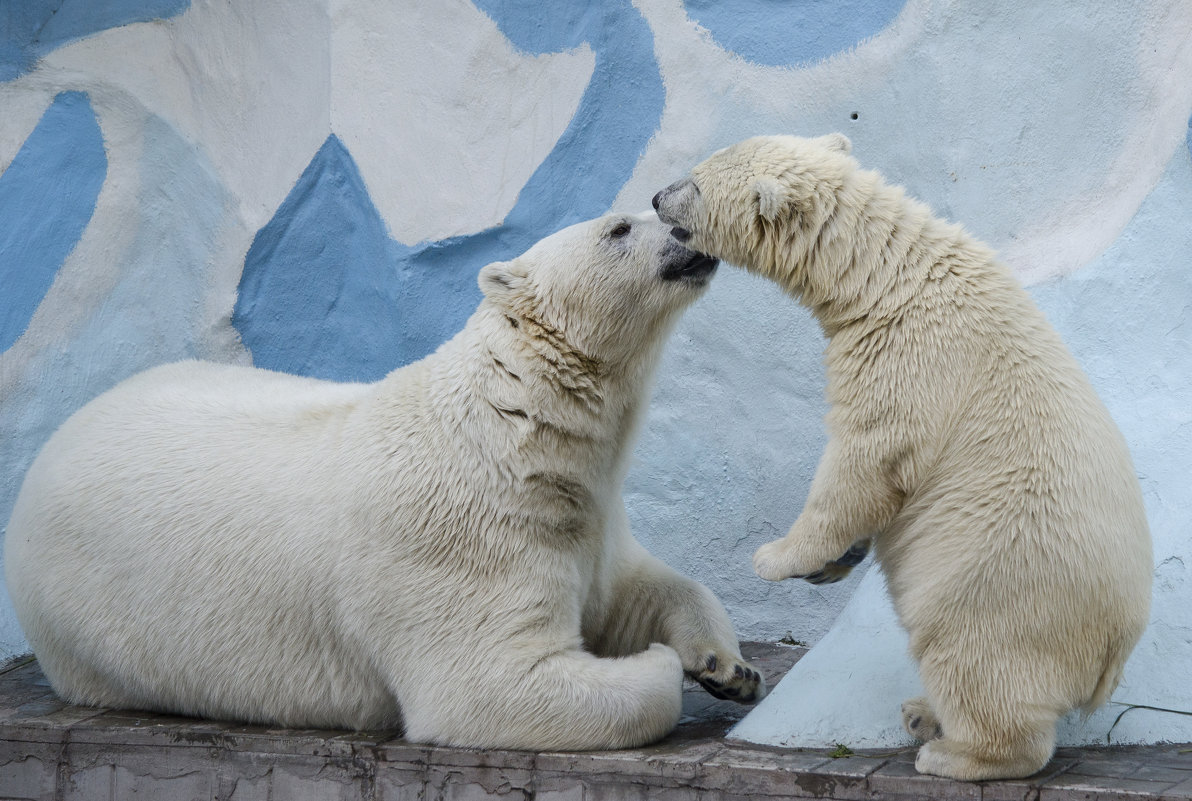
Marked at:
<point>687,265</point>
<point>672,205</point>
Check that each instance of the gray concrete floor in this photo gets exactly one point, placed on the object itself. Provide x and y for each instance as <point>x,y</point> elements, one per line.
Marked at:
<point>52,750</point>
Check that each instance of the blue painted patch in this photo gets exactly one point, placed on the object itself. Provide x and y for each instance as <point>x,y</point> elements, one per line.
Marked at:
<point>318,292</point>
<point>326,292</point>
<point>32,28</point>
<point>47,197</point>
<point>619,112</point>
<point>779,32</point>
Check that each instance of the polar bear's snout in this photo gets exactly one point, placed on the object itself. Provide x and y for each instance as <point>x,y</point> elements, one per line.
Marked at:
<point>688,265</point>
<point>673,205</point>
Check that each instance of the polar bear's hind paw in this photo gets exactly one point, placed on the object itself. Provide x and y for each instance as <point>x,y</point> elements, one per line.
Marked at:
<point>919,720</point>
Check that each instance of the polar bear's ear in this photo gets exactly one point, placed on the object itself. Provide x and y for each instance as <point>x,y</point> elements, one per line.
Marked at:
<point>771,197</point>
<point>502,279</point>
<point>836,141</point>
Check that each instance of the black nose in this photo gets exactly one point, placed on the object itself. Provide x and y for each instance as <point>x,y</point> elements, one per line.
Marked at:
<point>655,201</point>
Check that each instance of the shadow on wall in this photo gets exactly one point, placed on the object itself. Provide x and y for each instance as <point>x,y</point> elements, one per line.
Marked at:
<point>357,310</point>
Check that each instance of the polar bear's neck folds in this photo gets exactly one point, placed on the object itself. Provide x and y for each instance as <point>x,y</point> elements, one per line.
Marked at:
<point>871,254</point>
<point>538,405</point>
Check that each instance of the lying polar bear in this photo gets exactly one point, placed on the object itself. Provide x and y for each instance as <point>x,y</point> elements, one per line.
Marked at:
<point>445,548</point>
<point>962,434</point>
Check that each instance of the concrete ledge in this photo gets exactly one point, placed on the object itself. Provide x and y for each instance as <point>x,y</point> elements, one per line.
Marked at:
<point>51,750</point>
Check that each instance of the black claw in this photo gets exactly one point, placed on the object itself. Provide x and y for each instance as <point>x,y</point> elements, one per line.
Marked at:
<point>711,663</point>
<point>715,690</point>
<point>739,672</point>
<point>855,555</point>
<point>915,722</point>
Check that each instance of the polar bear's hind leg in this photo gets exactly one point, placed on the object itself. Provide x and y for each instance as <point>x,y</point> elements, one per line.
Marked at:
<point>980,732</point>
<point>1025,756</point>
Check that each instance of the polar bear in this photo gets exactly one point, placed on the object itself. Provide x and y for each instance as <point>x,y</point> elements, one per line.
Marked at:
<point>445,549</point>
<point>964,440</point>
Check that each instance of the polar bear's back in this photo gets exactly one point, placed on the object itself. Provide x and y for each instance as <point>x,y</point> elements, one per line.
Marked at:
<point>195,494</point>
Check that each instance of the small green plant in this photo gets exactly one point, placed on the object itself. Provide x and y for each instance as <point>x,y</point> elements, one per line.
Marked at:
<point>841,750</point>
<point>789,639</point>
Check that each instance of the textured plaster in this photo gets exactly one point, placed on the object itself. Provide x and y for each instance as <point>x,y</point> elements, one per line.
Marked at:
<point>47,196</point>
<point>775,33</point>
<point>424,94</point>
<point>319,294</point>
<point>246,84</point>
<point>35,27</point>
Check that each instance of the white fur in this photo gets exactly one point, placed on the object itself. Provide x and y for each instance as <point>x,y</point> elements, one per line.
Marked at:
<point>963,438</point>
<point>446,547</point>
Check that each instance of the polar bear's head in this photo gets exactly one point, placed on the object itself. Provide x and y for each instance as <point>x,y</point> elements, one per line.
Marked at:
<point>749,202</point>
<point>608,287</point>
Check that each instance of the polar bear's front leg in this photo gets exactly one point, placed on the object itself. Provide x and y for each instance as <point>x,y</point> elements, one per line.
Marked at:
<point>650,602</point>
<point>851,498</point>
<point>693,622</point>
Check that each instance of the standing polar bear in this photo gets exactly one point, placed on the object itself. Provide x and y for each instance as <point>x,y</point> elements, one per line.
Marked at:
<point>445,548</point>
<point>963,439</point>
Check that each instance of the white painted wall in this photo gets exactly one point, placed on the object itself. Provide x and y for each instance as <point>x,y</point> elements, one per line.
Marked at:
<point>1058,131</point>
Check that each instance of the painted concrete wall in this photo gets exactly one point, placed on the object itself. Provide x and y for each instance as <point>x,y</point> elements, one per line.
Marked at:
<point>312,186</point>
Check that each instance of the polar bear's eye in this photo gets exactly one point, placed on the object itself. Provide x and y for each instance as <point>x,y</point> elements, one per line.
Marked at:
<point>620,231</point>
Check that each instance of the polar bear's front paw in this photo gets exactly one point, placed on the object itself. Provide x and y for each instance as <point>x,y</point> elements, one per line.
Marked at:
<point>729,678</point>
<point>829,574</point>
<point>838,569</point>
<point>772,561</point>
<point>781,559</point>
